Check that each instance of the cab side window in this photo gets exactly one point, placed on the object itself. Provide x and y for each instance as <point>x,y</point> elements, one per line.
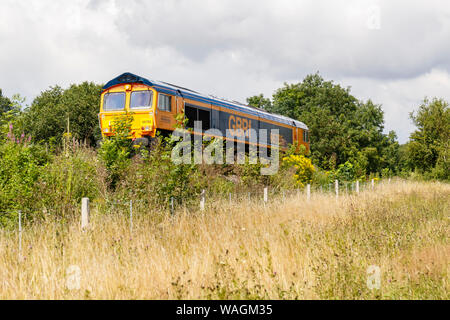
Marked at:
<point>164,103</point>
<point>305,136</point>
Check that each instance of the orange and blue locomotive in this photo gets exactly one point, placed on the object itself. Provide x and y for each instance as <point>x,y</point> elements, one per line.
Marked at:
<point>155,105</point>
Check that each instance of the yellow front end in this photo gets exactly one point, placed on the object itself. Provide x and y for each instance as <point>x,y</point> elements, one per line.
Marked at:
<point>136,99</point>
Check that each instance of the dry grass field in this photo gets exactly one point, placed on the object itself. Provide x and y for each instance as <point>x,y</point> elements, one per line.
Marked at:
<point>290,248</point>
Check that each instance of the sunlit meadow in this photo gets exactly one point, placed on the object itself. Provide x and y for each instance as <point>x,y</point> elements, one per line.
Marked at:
<point>289,248</point>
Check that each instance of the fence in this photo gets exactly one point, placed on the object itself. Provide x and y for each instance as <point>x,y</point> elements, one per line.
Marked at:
<point>262,196</point>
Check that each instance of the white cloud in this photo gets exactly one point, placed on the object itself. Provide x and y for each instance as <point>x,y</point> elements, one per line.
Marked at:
<point>393,52</point>
<point>401,96</point>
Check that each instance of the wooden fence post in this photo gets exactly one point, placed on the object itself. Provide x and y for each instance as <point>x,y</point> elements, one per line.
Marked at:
<point>85,213</point>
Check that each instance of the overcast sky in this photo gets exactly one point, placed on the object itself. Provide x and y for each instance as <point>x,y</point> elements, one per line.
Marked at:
<point>393,52</point>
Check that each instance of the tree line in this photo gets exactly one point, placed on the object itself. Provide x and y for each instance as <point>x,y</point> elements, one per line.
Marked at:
<point>345,133</point>
<point>348,132</point>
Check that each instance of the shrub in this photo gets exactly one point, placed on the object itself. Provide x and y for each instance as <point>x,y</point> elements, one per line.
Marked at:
<point>345,172</point>
<point>155,178</point>
<point>115,151</point>
<point>304,169</point>
<point>20,168</point>
<point>66,180</point>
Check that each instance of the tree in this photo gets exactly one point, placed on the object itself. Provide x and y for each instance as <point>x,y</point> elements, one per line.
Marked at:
<point>342,128</point>
<point>10,117</point>
<point>428,149</point>
<point>5,104</point>
<point>391,153</point>
<point>46,119</point>
<point>259,102</point>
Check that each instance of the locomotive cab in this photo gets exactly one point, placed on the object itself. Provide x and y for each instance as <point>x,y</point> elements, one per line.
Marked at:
<point>136,99</point>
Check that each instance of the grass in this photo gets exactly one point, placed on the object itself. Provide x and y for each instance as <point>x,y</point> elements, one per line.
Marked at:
<point>287,249</point>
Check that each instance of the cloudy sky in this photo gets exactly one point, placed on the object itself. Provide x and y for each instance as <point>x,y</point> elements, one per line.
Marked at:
<point>393,52</point>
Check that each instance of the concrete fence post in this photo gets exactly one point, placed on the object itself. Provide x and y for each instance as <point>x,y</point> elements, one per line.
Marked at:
<point>373,184</point>
<point>357,186</point>
<point>308,191</point>
<point>336,187</point>
<point>85,213</point>
<point>172,208</point>
<point>202,201</point>
<point>266,195</point>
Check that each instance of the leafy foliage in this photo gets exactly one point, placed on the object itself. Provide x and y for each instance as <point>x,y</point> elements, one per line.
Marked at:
<point>428,150</point>
<point>20,167</point>
<point>66,179</point>
<point>259,102</point>
<point>304,169</point>
<point>46,118</point>
<point>5,104</point>
<point>341,127</point>
<point>347,143</point>
<point>115,151</point>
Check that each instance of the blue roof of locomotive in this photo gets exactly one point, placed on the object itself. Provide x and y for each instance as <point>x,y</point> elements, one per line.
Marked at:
<point>190,94</point>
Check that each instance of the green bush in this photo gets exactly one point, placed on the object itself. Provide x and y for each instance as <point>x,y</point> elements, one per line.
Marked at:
<point>346,172</point>
<point>20,167</point>
<point>304,169</point>
<point>116,151</point>
<point>155,178</point>
<point>67,179</point>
